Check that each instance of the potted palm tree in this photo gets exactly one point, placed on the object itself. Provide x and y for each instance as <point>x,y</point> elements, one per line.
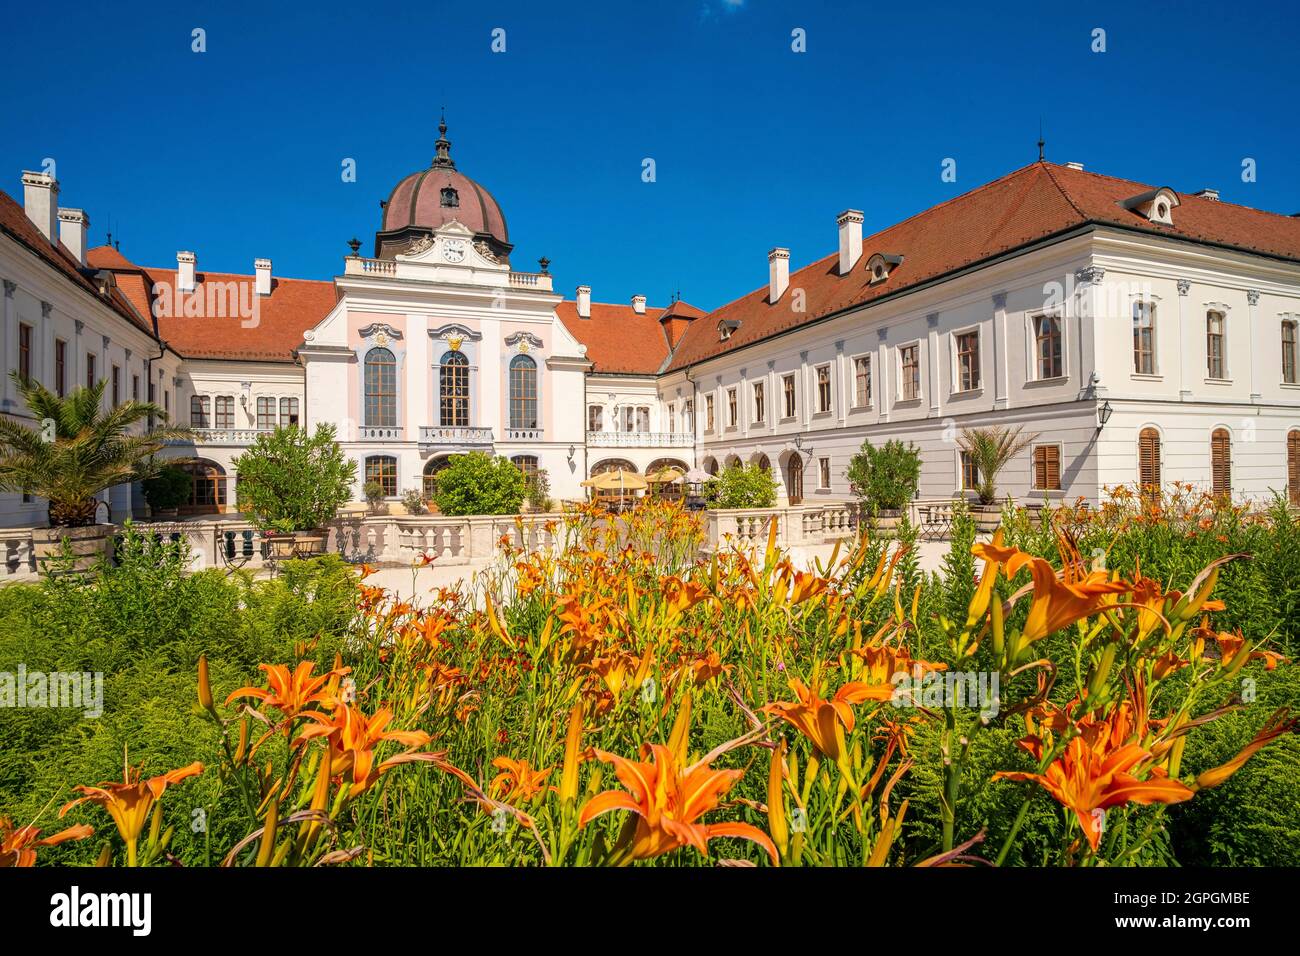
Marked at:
<point>75,451</point>
<point>990,449</point>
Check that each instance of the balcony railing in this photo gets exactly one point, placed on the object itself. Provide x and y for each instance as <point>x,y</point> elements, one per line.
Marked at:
<point>531,280</point>
<point>382,433</point>
<point>524,434</point>
<point>221,436</point>
<point>358,265</point>
<point>455,435</point>
<point>640,440</point>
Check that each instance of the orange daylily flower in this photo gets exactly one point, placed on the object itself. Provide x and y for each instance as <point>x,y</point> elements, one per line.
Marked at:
<point>353,738</point>
<point>1280,723</point>
<point>1059,601</point>
<point>825,722</point>
<point>669,800</point>
<point>18,844</point>
<point>130,801</point>
<point>289,694</point>
<point>517,780</point>
<point>1099,770</point>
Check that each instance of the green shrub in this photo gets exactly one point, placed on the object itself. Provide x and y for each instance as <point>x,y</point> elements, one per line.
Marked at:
<point>289,476</point>
<point>168,489</point>
<point>885,478</point>
<point>413,502</point>
<point>537,489</point>
<point>747,486</point>
<point>478,484</point>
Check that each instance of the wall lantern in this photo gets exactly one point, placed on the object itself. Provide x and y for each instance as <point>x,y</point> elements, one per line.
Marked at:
<point>1103,415</point>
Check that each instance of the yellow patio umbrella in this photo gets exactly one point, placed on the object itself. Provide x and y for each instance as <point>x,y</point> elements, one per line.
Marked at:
<point>619,480</point>
<point>666,475</point>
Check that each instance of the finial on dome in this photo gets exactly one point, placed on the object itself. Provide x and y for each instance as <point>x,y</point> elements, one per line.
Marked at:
<point>443,145</point>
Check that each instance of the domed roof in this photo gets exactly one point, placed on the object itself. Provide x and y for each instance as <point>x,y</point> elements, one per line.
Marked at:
<point>431,198</point>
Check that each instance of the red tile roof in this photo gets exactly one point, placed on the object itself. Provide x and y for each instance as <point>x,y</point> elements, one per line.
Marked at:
<point>621,340</point>
<point>1026,206</point>
<point>293,307</point>
<point>15,224</point>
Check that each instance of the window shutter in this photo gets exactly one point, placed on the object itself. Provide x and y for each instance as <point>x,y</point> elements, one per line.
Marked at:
<point>1053,466</point>
<point>1149,458</point>
<point>1221,462</point>
<point>1293,465</point>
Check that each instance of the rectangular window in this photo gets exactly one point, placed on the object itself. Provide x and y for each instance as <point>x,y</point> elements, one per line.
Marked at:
<point>167,400</point>
<point>225,411</point>
<point>708,413</point>
<point>24,350</point>
<point>758,403</point>
<point>688,417</point>
<point>731,408</point>
<point>288,411</point>
<point>152,394</point>
<point>135,388</point>
<point>199,408</point>
<point>672,419</point>
<point>787,386</point>
<point>910,383</point>
<point>1289,374</point>
<point>643,418</point>
<point>1047,346</point>
<point>862,381</point>
<point>265,413</point>
<point>968,361</point>
<point>629,418</point>
<point>90,370</point>
<point>116,379</point>
<point>382,469</point>
<point>60,367</point>
<point>1214,364</point>
<point>823,388</point>
<point>595,418</point>
<point>970,475</point>
<point>1144,338</point>
<point>824,472</point>
<point>1047,468</point>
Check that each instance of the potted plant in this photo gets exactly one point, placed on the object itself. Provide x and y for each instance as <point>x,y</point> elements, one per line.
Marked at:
<point>373,492</point>
<point>73,451</point>
<point>989,450</point>
<point>885,479</point>
<point>537,491</point>
<point>413,502</point>
<point>292,484</point>
<point>745,486</point>
<point>166,491</point>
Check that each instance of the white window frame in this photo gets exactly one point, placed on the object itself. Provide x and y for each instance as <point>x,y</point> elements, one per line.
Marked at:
<point>824,473</point>
<point>1031,345</point>
<point>920,371</point>
<point>955,360</point>
<point>871,380</point>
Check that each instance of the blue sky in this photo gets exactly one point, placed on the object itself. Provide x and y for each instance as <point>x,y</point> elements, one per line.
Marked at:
<point>236,152</point>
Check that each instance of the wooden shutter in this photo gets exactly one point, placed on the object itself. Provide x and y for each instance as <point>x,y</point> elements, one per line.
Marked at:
<point>1293,466</point>
<point>1047,467</point>
<point>1221,462</point>
<point>1149,459</point>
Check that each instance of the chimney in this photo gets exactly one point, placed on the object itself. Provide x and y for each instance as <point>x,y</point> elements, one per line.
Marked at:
<point>185,262</point>
<point>262,268</point>
<point>850,223</point>
<point>778,274</point>
<point>41,202</point>
<point>584,301</point>
<point>1078,166</point>
<point>638,304</point>
<point>73,226</point>
<point>1211,194</point>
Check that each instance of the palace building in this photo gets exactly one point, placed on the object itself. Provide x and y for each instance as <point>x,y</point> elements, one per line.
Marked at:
<point>1140,333</point>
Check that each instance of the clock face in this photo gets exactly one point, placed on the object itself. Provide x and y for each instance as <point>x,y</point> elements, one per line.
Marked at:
<point>453,250</point>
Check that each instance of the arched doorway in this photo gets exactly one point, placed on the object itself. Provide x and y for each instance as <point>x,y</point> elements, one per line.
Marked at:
<point>431,469</point>
<point>672,489</point>
<point>794,478</point>
<point>207,488</point>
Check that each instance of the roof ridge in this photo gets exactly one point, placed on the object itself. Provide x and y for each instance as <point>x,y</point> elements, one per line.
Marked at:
<point>1060,187</point>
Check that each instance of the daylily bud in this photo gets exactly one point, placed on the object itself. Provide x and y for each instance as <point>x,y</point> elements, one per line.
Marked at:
<point>205,686</point>
<point>572,741</point>
<point>105,856</point>
<point>776,822</point>
<point>267,846</point>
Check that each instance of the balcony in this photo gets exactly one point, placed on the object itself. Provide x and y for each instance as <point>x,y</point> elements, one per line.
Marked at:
<point>221,436</point>
<point>640,440</point>
<point>381,433</point>
<point>531,280</point>
<point>525,434</point>
<point>437,436</point>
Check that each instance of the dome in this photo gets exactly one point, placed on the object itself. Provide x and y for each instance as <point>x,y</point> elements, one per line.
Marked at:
<point>430,198</point>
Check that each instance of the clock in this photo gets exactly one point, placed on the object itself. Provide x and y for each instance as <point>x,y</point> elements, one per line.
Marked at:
<point>453,250</point>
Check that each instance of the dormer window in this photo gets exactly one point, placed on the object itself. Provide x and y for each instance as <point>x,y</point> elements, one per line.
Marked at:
<point>450,198</point>
<point>1157,205</point>
<point>726,327</point>
<point>880,265</point>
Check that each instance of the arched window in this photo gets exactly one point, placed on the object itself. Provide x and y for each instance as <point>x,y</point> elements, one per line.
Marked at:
<point>1221,462</point>
<point>764,463</point>
<point>1293,465</point>
<point>453,389</point>
<point>381,388</point>
<point>382,469</point>
<point>207,487</point>
<point>711,465</point>
<point>1149,461</point>
<point>526,464</point>
<point>523,392</point>
<point>431,469</point>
